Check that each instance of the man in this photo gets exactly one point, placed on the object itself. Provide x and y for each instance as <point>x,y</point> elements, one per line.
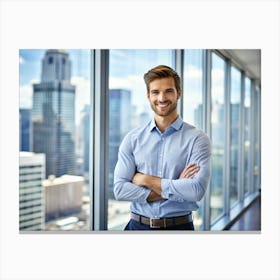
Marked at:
<point>163,167</point>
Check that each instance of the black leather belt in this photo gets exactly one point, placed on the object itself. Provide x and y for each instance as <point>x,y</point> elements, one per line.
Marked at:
<point>162,222</point>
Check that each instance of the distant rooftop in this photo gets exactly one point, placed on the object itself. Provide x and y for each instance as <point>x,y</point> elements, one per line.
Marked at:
<point>52,180</point>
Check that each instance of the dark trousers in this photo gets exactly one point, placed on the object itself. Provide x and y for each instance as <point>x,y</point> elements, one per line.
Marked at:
<point>133,225</point>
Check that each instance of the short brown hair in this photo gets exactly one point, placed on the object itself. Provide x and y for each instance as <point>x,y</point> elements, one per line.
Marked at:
<point>159,72</point>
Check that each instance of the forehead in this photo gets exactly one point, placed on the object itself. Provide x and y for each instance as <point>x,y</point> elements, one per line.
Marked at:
<point>162,83</point>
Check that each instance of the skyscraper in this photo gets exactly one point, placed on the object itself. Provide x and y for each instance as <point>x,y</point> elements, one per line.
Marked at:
<point>25,129</point>
<point>85,123</point>
<point>53,114</point>
<point>119,124</point>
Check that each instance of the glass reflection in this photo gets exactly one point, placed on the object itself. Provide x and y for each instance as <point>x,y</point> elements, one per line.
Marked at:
<point>235,97</point>
<point>217,135</point>
<point>192,98</point>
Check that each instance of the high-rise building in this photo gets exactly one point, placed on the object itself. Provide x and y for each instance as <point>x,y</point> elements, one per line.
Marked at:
<point>25,129</point>
<point>85,121</point>
<point>53,114</point>
<point>120,117</point>
<point>31,195</point>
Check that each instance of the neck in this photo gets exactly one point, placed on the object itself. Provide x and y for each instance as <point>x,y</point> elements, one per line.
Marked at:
<point>164,122</point>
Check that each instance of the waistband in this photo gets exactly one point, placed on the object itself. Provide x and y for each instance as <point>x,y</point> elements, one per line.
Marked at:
<point>162,222</point>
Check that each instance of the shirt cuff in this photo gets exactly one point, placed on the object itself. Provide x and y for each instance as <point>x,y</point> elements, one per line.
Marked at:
<point>166,191</point>
<point>145,192</point>
<point>165,188</point>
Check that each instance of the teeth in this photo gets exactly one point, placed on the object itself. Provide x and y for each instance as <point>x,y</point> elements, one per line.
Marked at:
<point>163,105</point>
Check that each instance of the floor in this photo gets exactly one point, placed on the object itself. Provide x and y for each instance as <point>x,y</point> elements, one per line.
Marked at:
<point>250,220</point>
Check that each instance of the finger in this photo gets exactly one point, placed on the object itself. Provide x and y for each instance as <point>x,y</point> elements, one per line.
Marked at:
<point>191,172</point>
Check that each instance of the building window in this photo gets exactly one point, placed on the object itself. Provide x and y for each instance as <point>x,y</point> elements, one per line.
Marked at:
<point>192,100</point>
<point>59,130</point>
<point>217,136</point>
<point>247,131</point>
<point>128,108</point>
<point>235,104</point>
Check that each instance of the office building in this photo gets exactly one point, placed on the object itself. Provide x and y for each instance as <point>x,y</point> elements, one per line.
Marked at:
<point>25,129</point>
<point>31,196</point>
<point>85,126</point>
<point>120,118</point>
<point>53,114</point>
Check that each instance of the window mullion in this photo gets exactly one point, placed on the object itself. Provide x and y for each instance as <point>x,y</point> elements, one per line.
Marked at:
<point>100,147</point>
<point>206,127</point>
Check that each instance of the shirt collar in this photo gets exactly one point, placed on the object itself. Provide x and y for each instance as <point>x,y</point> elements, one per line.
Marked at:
<point>176,124</point>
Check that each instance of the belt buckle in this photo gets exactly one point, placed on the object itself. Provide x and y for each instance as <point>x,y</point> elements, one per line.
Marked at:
<point>152,224</point>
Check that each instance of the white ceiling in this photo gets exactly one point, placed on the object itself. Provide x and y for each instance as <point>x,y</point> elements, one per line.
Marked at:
<point>248,59</point>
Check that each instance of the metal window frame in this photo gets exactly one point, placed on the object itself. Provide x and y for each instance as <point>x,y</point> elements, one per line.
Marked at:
<point>98,147</point>
<point>206,123</point>
<point>241,140</point>
<point>251,137</point>
<point>216,220</point>
<point>227,154</point>
<point>179,68</point>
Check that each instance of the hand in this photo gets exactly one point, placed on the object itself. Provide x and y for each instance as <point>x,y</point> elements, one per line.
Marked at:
<point>189,171</point>
<point>138,179</point>
<point>144,180</point>
<point>154,197</point>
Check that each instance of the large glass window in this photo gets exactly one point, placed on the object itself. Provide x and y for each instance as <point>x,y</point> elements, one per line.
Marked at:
<point>128,108</point>
<point>235,97</point>
<point>192,99</point>
<point>247,126</point>
<point>257,129</point>
<point>217,135</point>
<point>54,112</point>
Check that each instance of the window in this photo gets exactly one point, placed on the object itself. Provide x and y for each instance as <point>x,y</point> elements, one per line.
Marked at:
<point>217,135</point>
<point>59,144</point>
<point>247,128</point>
<point>257,137</point>
<point>192,99</point>
<point>235,98</point>
<point>128,108</point>
<point>57,138</point>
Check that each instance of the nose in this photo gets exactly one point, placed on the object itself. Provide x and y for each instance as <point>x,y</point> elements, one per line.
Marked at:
<point>161,96</point>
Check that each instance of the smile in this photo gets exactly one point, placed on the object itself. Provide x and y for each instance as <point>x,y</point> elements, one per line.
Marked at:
<point>163,105</point>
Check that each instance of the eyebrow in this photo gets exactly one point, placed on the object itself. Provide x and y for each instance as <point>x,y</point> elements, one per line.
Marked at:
<point>167,89</point>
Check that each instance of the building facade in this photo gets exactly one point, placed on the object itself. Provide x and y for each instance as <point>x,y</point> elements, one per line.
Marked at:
<point>120,118</point>
<point>53,114</point>
<point>31,195</point>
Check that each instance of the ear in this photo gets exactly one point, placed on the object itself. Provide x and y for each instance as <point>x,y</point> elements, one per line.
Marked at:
<point>179,94</point>
<point>148,95</point>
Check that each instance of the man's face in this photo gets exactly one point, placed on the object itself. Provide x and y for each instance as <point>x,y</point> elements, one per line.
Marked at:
<point>163,96</point>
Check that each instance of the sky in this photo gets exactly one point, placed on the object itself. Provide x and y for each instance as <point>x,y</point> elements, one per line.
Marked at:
<point>127,67</point>
<point>30,68</point>
<point>126,71</point>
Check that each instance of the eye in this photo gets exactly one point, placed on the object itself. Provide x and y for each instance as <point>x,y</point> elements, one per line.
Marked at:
<point>154,92</point>
<point>170,90</point>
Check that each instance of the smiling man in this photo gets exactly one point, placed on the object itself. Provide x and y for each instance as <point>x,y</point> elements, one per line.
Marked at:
<point>163,167</point>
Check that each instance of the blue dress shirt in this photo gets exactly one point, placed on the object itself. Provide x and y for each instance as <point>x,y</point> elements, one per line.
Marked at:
<point>165,155</point>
